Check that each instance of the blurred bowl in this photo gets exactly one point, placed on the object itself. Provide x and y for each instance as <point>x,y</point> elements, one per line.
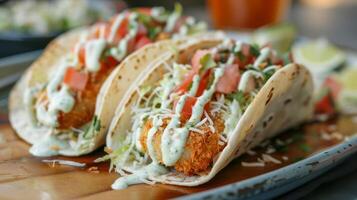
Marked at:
<point>15,42</point>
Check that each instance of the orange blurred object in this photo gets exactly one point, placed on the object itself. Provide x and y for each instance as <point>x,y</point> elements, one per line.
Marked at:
<point>246,14</point>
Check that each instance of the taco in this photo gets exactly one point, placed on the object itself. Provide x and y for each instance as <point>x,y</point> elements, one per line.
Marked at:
<point>191,114</point>
<point>59,106</point>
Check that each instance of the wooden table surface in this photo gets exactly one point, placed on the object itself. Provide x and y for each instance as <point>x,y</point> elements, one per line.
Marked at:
<point>23,176</point>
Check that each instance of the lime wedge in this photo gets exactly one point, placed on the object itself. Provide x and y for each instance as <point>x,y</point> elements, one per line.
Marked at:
<point>281,36</point>
<point>319,56</point>
<point>347,99</point>
<point>348,79</point>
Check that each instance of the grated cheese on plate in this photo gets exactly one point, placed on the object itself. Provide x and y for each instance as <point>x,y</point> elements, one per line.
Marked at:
<point>253,164</point>
<point>65,162</point>
<point>269,158</point>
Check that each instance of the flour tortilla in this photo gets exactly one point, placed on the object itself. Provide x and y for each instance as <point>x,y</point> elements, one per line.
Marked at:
<point>283,102</point>
<point>110,94</point>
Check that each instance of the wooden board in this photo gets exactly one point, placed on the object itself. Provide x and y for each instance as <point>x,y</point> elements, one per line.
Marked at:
<point>23,176</point>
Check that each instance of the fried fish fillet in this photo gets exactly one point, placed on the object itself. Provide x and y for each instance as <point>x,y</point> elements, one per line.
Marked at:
<point>200,149</point>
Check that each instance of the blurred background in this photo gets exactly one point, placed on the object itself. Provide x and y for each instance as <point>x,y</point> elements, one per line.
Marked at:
<point>27,25</point>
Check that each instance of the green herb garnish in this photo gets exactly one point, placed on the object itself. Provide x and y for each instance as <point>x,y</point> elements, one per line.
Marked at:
<point>207,62</point>
<point>254,50</point>
<point>268,74</point>
<point>238,96</point>
<point>153,32</point>
<point>94,127</point>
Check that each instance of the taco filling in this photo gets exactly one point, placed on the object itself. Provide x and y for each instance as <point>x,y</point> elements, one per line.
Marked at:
<point>184,121</point>
<point>66,103</point>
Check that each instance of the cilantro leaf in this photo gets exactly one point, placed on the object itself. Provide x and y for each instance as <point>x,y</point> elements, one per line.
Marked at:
<point>207,62</point>
<point>254,50</point>
<point>268,74</point>
<point>96,123</point>
<point>153,32</point>
<point>239,96</point>
<point>94,127</point>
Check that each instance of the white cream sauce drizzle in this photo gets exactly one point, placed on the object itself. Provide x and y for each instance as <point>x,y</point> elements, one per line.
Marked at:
<point>122,49</point>
<point>171,21</point>
<point>195,84</point>
<point>264,54</point>
<point>233,118</point>
<point>164,97</point>
<point>59,100</point>
<point>93,51</point>
<point>117,22</point>
<point>151,170</point>
<point>171,131</point>
<point>247,81</point>
<point>157,122</point>
<point>49,145</point>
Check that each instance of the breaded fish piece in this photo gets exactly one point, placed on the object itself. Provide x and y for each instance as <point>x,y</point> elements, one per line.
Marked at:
<point>84,107</point>
<point>200,149</point>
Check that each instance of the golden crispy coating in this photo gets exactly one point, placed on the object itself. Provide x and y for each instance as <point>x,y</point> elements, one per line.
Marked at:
<point>200,149</point>
<point>85,101</point>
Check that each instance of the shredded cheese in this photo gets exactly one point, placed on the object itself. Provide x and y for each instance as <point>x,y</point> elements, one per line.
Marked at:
<point>251,152</point>
<point>65,162</point>
<point>337,135</point>
<point>253,164</point>
<point>270,150</point>
<point>201,122</point>
<point>269,158</point>
<point>222,138</point>
<point>196,130</point>
<point>279,142</point>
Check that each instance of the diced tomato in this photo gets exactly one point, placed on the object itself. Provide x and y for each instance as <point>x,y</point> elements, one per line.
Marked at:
<point>121,31</point>
<point>203,83</point>
<point>248,58</point>
<point>325,105</point>
<point>131,45</point>
<point>142,41</point>
<point>75,80</point>
<point>334,86</point>
<point>109,62</point>
<point>187,108</point>
<point>186,82</point>
<point>229,81</point>
<point>142,31</point>
<point>144,10</point>
<point>195,61</point>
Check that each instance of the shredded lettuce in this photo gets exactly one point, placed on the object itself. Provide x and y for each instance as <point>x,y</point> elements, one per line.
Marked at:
<point>93,128</point>
<point>143,90</point>
<point>115,155</point>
